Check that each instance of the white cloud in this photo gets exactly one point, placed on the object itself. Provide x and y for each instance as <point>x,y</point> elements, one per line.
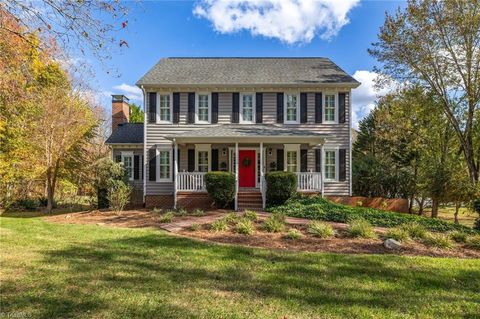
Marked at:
<point>130,91</point>
<point>364,97</point>
<point>291,21</point>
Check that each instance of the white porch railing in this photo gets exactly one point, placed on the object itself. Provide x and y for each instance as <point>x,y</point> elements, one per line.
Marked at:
<point>309,181</point>
<point>191,181</point>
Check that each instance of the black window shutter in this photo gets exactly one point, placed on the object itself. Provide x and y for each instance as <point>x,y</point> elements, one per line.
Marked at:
<point>279,107</point>
<point>178,160</point>
<point>259,108</point>
<point>318,160</point>
<point>191,160</point>
<point>303,107</point>
<point>118,158</point>
<point>214,108</point>
<point>215,159</point>
<point>318,108</point>
<point>342,164</point>
<point>152,107</point>
<point>152,164</point>
<point>303,160</point>
<point>341,108</point>
<point>235,107</point>
<point>191,108</point>
<point>142,168</point>
<point>280,160</point>
<point>136,167</point>
<point>176,107</point>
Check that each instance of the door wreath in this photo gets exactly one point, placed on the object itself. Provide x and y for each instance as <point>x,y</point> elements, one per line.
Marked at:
<point>246,162</point>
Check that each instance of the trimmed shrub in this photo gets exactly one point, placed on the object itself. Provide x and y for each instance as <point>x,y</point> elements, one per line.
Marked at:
<point>414,230</point>
<point>167,217</point>
<point>194,227</point>
<point>274,224</point>
<point>220,187</point>
<point>316,207</point>
<point>320,230</point>
<point>293,234</point>
<point>360,228</point>
<point>281,186</point>
<point>244,226</point>
<point>219,225</point>
<point>459,236</point>
<point>473,242</point>
<point>26,204</point>
<point>437,240</point>
<point>398,233</point>
<point>250,214</point>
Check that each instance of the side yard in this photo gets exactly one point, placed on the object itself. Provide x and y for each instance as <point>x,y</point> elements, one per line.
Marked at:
<point>55,270</point>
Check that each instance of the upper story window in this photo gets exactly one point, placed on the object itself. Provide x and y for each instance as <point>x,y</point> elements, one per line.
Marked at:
<point>127,160</point>
<point>203,108</point>
<point>247,105</point>
<point>165,108</point>
<point>330,165</point>
<point>330,108</point>
<point>292,108</point>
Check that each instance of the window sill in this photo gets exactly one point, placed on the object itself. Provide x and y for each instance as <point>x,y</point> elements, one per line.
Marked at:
<point>164,122</point>
<point>290,122</point>
<point>329,122</point>
<point>164,180</point>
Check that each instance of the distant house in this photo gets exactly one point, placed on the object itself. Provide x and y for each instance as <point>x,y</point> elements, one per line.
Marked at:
<point>202,114</point>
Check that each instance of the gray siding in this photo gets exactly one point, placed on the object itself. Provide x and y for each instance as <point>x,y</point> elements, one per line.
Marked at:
<point>339,135</point>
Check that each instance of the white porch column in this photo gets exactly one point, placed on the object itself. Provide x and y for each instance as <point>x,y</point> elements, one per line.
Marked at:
<point>322,174</point>
<point>236,175</point>
<point>175,170</point>
<point>261,175</point>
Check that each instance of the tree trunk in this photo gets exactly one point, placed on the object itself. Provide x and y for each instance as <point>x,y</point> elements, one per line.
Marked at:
<point>421,203</point>
<point>435,205</point>
<point>457,208</point>
<point>410,205</point>
<point>50,191</point>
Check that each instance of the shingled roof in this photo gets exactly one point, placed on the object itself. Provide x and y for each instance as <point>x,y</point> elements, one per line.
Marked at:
<point>245,71</point>
<point>127,133</point>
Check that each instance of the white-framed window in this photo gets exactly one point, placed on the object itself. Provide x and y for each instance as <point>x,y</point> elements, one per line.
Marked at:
<point>330,164</point>
<point>292,108</point>
<point>203,108</point>
<point>165,108</point>
<point>127,161</point>
<point>247,108</point>
<point>330,108</point>
<point>203,157</point>
<point>292,157</point>
<point>164,164</point>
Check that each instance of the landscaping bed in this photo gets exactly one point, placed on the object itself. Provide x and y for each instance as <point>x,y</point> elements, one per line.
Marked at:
<point>316,207</point>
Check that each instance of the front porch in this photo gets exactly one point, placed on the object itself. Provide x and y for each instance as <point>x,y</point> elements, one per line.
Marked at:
<point>257,154</point>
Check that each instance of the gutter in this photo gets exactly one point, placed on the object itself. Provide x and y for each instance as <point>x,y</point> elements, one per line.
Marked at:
<point>144,145</point>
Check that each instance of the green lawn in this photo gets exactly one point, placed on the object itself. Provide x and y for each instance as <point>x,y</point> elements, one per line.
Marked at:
<point>50,270</point>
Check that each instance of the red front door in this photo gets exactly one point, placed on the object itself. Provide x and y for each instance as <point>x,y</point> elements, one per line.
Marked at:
<point>246,168</point>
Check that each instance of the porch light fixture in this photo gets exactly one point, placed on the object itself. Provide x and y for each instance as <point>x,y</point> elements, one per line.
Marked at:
<point>224,151</point>
<point>269,151</point>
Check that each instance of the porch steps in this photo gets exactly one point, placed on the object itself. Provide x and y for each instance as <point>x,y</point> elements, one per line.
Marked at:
<point>250,199</point>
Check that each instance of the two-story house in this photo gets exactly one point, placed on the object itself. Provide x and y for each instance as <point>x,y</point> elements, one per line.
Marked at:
<point>248,116</point>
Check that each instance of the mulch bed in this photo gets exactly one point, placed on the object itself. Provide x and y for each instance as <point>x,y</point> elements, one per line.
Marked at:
<point>260,239</point>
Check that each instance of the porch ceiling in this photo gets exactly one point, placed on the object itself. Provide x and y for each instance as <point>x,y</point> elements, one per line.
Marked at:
<point>255,133</point>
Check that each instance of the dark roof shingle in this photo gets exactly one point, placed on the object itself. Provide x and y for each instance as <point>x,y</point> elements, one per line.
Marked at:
<point>245,71</point>
<point>127,133</point>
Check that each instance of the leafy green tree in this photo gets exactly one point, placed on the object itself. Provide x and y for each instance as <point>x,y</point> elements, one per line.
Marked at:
<point>435,44</point>
<point>136,113</point>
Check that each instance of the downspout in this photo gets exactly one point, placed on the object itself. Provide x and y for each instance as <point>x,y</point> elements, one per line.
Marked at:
<point>350,138</point>
<point>144,145</point>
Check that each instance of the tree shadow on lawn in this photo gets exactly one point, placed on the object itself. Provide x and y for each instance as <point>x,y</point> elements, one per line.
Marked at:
<point>169,277</point>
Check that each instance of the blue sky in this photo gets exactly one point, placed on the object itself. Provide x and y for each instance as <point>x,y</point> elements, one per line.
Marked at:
<point>341,30</point>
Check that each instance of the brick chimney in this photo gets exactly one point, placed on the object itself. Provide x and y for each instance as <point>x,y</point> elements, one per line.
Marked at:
<point>120,111</point>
